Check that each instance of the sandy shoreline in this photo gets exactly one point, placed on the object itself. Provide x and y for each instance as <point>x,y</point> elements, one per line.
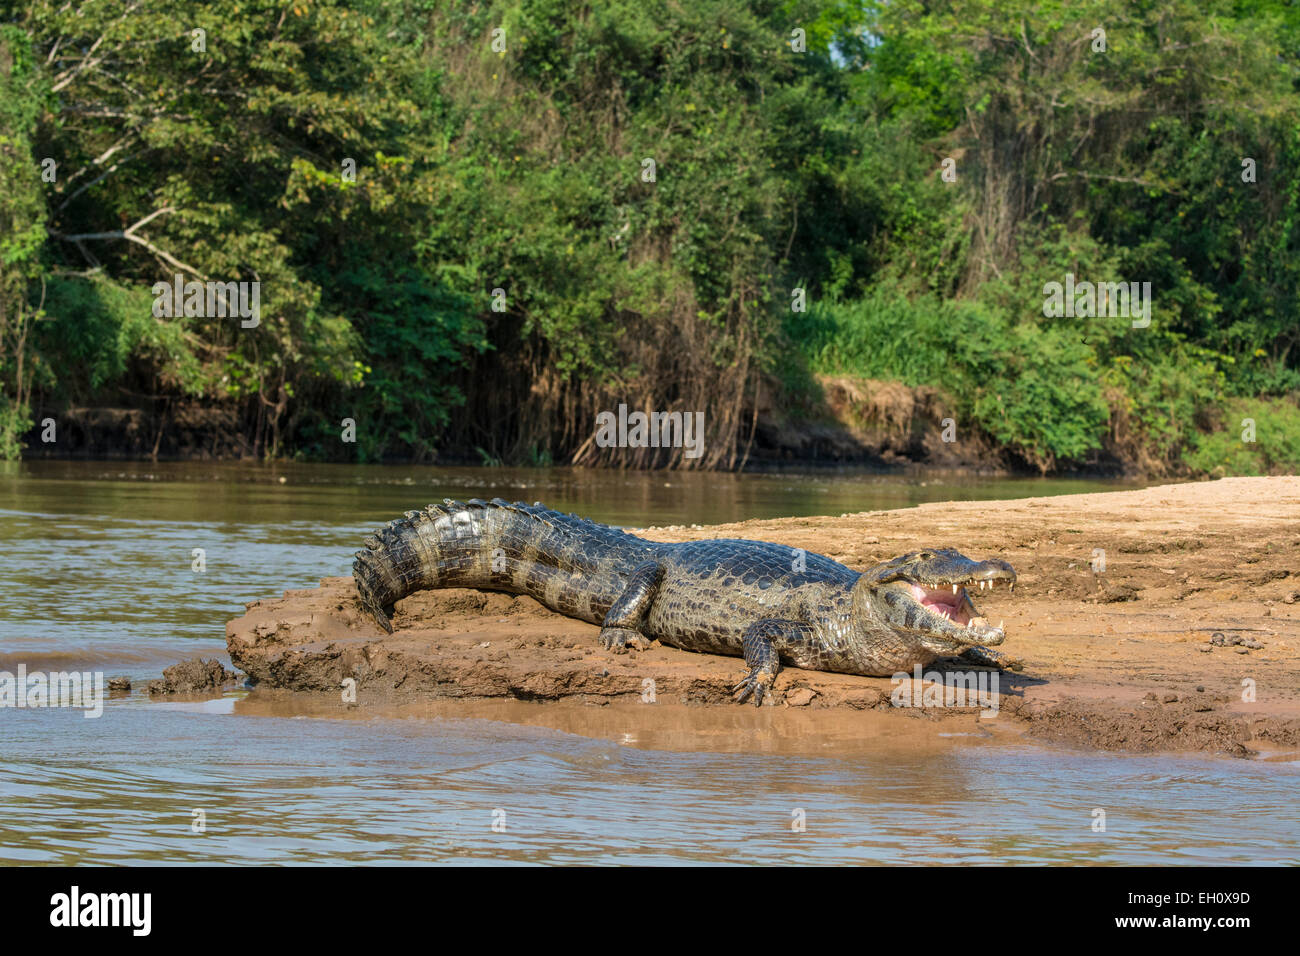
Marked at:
<point>1117,660</point>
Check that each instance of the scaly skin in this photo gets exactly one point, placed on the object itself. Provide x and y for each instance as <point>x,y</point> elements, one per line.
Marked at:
<point>769,603</point>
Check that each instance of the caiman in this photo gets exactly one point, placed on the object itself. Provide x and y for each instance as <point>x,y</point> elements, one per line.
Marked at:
<point>768,603</point>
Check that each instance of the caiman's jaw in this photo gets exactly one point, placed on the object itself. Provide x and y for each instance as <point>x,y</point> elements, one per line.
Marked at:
<point>952,600</point>
<point>933,589</point>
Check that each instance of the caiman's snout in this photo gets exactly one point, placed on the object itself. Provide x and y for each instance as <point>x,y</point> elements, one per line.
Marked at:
<point>943,567</point>
<point>992,572</point>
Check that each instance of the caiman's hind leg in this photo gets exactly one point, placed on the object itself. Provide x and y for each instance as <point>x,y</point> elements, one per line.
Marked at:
<point>985,657</point>
<point>763,642</point>
<point>622,627</point>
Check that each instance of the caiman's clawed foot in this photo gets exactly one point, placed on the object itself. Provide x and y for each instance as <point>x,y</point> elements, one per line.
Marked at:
<point>757,685</point>
<point>620,640</point>
<point>987,658</point>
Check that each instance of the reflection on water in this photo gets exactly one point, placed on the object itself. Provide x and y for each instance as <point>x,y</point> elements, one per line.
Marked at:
<point>315,790</point>
<point>95,572</point>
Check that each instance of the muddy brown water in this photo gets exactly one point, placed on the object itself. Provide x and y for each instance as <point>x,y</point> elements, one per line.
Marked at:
<point>96,573</point>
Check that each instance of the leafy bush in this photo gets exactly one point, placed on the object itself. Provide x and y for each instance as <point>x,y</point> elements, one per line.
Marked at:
<point>1274,450</point>
<point>1032,389</point>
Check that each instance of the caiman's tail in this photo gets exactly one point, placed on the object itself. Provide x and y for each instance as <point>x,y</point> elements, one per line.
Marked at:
<point>423,549</point>
<point>570,564</point>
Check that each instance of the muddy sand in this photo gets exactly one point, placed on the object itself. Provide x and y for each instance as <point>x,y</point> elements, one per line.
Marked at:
<point>1187,640</point>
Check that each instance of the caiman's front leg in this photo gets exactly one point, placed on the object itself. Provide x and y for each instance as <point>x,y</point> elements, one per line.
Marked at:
<point>763,642</point>
<point>622,627</point>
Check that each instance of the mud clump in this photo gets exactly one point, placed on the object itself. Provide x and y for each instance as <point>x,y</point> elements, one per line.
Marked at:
<point>192,677</point>
<point>1113,594</point>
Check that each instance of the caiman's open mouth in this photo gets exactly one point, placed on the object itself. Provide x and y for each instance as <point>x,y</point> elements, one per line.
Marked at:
<point>936,588</point>
<point>952,600</point>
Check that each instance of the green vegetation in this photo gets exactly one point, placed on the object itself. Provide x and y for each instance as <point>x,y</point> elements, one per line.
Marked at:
<point>1035,390</point>
<point>520,162</point>
<point>1230,450</point>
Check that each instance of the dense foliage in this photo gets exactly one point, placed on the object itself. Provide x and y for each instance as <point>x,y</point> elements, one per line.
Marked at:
<point>559,207</point>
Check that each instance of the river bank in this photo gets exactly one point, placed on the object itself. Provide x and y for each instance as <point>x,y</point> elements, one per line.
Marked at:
<point>855,423</point>
<point>1188,640</point>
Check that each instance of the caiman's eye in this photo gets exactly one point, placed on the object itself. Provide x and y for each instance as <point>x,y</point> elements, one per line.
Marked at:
<point>925,555</point>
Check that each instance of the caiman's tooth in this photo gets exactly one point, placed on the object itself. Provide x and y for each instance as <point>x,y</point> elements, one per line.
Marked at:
<point>1013,585</point>
<point>954,589</point>
<point>1002,625</point>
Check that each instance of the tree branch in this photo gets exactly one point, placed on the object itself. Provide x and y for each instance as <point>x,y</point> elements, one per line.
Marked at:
<point>129,234</point>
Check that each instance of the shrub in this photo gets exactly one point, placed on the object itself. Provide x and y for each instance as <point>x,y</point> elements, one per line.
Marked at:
<point>1275,450</point>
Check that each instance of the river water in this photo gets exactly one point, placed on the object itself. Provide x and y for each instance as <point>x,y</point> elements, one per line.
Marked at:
<point>96,574</point>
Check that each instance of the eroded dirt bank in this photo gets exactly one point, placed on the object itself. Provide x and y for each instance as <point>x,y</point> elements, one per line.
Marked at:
<point>1189,639</point>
